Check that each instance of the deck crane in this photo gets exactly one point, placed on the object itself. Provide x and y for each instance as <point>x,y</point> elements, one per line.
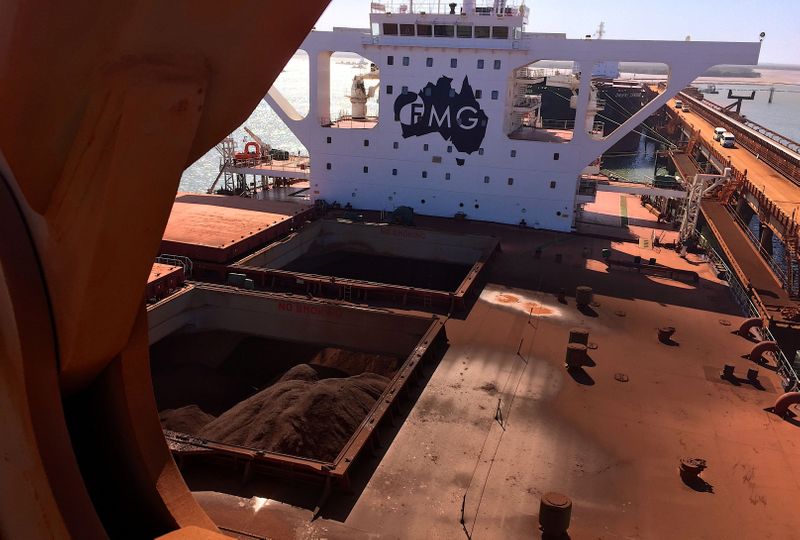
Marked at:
<point>359,94</point>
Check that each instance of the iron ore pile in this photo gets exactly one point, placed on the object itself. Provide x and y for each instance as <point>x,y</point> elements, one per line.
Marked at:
<point>311,410</point>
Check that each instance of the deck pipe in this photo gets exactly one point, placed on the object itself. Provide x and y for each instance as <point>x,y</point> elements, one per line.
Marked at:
<point>783,403</point>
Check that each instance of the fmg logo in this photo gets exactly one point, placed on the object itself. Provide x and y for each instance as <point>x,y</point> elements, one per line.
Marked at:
<point>438,108</point>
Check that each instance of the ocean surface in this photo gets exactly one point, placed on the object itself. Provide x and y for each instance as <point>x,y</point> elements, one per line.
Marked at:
<point>782,116</point>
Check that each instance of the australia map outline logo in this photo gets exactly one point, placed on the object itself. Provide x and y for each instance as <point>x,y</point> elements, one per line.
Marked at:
<point>438,108</point>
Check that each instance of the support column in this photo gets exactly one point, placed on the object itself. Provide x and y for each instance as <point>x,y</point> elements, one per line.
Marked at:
<point>765,238</point>
<point>743,209</point>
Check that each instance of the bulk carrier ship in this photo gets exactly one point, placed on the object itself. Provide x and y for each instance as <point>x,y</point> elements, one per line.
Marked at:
<point>348,376</point>
<point>459,128</point>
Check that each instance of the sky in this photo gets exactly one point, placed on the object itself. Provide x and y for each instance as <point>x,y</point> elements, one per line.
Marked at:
<point>703,20</point>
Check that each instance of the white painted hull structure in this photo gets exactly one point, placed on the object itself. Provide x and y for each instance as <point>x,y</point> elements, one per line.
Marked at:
<point>446,139</point>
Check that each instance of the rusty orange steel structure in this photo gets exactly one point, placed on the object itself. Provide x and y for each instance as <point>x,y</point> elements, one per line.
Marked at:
<point>103,105</point>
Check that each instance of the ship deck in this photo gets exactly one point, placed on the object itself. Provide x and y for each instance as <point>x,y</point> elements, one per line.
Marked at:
<point>610,435</point>
<point>541,134</point>
<point>354,123</point>
<point>218,228</point>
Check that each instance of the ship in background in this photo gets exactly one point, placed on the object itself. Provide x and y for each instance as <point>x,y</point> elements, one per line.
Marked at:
<point>450,124</point>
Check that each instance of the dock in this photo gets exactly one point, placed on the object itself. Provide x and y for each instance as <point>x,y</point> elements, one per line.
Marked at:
<point>765,182</point>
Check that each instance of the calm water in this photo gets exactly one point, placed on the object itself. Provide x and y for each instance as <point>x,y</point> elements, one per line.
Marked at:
<point>782,115</point>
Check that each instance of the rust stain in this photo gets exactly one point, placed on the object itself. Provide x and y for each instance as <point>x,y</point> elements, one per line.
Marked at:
<point>537,309</point>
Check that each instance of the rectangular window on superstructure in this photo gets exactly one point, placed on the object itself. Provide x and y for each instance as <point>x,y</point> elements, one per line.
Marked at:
<point>495,94</point>
<point>447,176</point>
<point>366,169</point>
<point>424,30</point>
<point>480,151</point>
<point>390,60</point>
<point>510,181</point>
<point>389,89</point>
<point>497,64</point>
<point>480,63</point>
<point>405,90</point>
<point>328,166</point>
<point>429,62</point>
<point>513,153</point>
<point>406,29</point>
<point>500,32</point>
<point>485,179</point>
<point>394,172</point>
<point>478,94</point>
<point>454,63</point>
<point>443,30</point>
<point>395,145</point>
<point>464,31</point>
<point>424,174</point>
<point>389,29</point>
<point>449,149</point>
<point>406,60</point>
<point>366,142</point>
<point>425,147</point>
<point>481,31</point>
<point>328,140</point>
<point>553,184</point>
<point>436,159</point>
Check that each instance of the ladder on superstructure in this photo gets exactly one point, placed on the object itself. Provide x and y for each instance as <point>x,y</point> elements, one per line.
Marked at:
<point>227,151</point>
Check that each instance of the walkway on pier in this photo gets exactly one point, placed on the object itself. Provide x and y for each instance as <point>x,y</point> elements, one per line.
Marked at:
<point>750,267</point>
<point>777,188</point>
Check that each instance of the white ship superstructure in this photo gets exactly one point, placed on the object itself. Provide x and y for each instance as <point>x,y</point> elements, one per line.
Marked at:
<point>456,132</point>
